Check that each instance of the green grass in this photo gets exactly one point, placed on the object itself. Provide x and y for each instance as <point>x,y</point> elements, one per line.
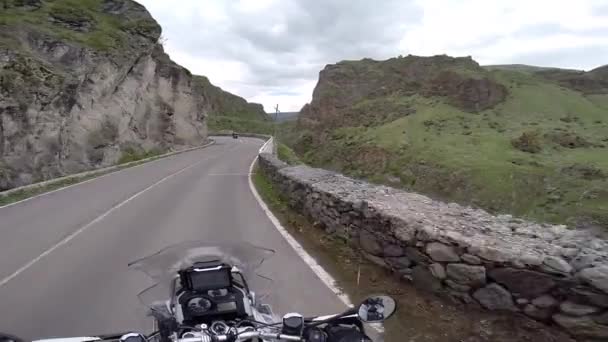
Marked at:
<point>268,191</point>
<point>106,33</point>
<point>469,158</point>
<point>287,155</point>
<point>131,155</point>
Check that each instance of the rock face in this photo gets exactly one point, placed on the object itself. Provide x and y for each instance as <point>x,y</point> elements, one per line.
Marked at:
<point>81,84</point>
<point>343,84</point>
<point>466,254</point>
<point>591,82</point>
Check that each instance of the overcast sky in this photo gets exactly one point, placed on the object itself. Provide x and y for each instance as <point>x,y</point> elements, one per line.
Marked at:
<point>270,51</point>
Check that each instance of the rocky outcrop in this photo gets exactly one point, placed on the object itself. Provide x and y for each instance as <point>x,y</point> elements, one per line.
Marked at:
<point>547,272</point>
<point>224,103</point>
<point>591,82</point>
<point>80,84</point>
<point>342,86</point>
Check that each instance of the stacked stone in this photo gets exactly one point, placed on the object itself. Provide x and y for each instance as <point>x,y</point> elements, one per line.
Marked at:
<point>547,272</point>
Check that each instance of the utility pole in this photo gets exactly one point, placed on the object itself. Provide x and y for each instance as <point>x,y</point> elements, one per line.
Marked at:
<point>276,116</point>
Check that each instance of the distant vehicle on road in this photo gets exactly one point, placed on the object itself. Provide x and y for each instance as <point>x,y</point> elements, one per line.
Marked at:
<point>235,135</point>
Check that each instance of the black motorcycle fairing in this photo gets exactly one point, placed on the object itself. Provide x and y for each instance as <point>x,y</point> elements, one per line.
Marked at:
<point>345,333</point>
<point>9,338</point>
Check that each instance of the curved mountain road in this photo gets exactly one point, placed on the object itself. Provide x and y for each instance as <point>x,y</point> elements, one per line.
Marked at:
<point>64,255</point>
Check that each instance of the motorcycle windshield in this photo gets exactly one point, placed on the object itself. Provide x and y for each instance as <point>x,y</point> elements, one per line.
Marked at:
<point>162,267</point>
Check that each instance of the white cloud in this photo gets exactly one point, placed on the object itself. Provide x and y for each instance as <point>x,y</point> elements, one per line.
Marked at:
<point>271,51</point>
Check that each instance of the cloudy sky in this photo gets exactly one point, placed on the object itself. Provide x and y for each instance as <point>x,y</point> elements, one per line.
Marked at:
<point>270,51</point>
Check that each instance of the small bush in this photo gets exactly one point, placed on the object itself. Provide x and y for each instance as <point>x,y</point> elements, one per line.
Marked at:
<point>528,142</point>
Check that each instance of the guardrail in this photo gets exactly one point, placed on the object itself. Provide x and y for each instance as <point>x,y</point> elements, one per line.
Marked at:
<point>95,172</point>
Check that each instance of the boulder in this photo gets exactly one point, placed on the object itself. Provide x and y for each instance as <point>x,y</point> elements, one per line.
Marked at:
<point>495,297</point>
<point>369,243</point>
<point>458,287</point>
<point>376,260</point>
<point>424,280</point>
<point>437,270</point>
<point>596,277</point>
<point>399,262</point>
<point>557,265</point>
<point>583,326</point>
<point>537,313</point>
<point>471,259</point>
<point>392,250</point>
<point>527,283</point>
<point>469,275</point>
<point>574,309</point>
<point>589,296</point>
<point>545,302</point>
<point>601,319</point>
<point>440,252</point>
<point>417,256</point>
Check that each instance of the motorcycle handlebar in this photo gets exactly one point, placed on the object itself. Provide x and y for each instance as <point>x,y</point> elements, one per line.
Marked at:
<point>244,336</point>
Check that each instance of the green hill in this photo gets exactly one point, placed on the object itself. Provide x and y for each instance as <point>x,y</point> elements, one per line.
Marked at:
<point>230,112</point>
<point>532,144</point>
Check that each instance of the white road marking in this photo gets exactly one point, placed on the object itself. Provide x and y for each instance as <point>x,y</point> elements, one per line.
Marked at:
<point>325,277</point>
<point>96,220</point>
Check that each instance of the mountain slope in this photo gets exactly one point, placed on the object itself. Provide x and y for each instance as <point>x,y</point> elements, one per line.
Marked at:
<point>231,112</point>
<point>85,82</point>
<point>508,141</point>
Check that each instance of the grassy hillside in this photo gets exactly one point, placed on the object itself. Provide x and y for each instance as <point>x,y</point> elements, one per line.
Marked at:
<point>88,22</point>
<point>229,112</point>
<point>540,153</point>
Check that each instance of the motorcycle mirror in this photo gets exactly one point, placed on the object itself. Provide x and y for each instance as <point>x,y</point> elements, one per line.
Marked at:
<point>376,308</point>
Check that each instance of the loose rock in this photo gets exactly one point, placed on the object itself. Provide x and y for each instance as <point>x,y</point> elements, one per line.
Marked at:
<point>441,252</point>
<point>495,297</point>
<point>467,274</point>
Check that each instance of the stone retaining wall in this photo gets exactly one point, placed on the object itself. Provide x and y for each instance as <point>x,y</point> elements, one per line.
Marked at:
<point>547,272</point>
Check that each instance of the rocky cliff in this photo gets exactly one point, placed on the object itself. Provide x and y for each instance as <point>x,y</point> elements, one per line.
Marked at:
<point>81,82</point>
<point>461,81</point>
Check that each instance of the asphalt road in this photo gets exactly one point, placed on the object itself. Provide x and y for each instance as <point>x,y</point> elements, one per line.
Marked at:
<point>83,287</point>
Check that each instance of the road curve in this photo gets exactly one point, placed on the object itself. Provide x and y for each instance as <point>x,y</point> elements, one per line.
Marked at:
<point>64,255</point>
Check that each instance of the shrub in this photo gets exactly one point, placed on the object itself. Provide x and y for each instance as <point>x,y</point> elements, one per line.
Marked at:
<point>528,142</point>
